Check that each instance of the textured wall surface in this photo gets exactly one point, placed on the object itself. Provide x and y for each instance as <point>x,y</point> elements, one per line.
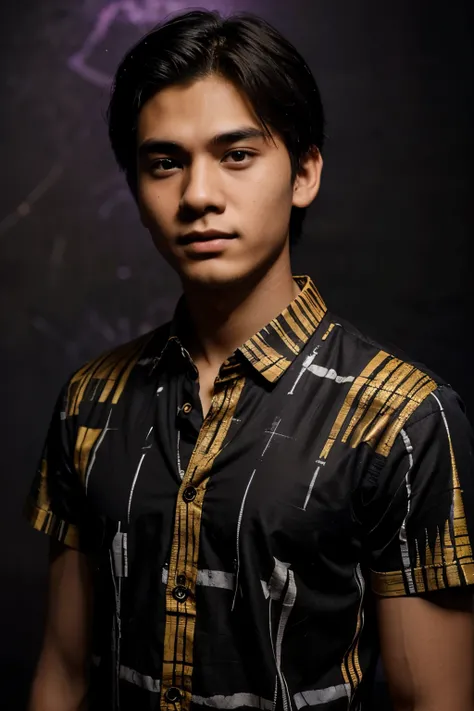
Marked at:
<point>387,241</point>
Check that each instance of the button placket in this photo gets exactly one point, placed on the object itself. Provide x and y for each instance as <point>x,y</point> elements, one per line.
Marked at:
<point>189,494</point>
<point>179,638</point>
<point>180,593</point>
<point>173,695</point>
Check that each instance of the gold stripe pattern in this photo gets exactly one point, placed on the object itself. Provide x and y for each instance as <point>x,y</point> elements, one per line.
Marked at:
<point>273,349</point>
<point>358,384</point>
<point>438,562</point>
<point>392,584</point>
<point>42,496</point>
<point>430,570</point>
<point>386,402</point>
<point>80,382</point>
<point>110,370</point>
<point>50,524</point>
<point>85,440</point>
<point>378,390</point>
<point>462,544</point>
<point>393,395</point>
<point>265,358</point>
<point>37,511</point>
<point>441,569</point>
<point>329,331</point>
<point>382,391</point>
<point>386,443</point>
<point>417,572</point>
<point>293,317</point>
<point>286,339</point>
<point>181,616</point>
<point>350,667</point>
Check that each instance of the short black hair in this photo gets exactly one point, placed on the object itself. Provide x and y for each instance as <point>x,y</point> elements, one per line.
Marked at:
<point>242,48</point>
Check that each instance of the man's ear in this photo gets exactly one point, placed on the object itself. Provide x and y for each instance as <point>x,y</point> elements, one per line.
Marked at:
<point>308,178</point>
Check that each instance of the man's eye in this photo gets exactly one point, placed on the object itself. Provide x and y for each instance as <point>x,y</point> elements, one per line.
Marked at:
<point>239,156</point>
<point>163,165</point>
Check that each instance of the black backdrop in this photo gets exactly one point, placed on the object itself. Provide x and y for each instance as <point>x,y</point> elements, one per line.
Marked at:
<point>387,241</point>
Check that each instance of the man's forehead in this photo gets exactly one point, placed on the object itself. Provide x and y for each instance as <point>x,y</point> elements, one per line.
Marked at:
<point>204,109</point>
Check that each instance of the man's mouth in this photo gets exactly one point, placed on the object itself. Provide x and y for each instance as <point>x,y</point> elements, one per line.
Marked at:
<point>203,237</point>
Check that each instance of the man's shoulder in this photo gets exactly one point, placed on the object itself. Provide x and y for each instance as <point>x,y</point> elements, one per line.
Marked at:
<point>102,379</point>
<point>388,388</point>
<point>365,349</point>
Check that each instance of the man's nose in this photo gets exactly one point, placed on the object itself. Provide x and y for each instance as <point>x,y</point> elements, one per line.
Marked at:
<point>203,189</point>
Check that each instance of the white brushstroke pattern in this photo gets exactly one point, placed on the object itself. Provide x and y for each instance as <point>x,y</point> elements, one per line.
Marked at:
<point>96,448</point>
<point>234,701</point>
<point>208,579</point>
<point>311,487</point>
<point>330,374</point>
<point>278,579</point>
<point>288,605</point>
<point>136,475</point>
<point>306,364</point>
<point>239,524</point>
<point>317,697</point>
<point>120,554</point>
<point>141,680</point>
<point>405,551</point>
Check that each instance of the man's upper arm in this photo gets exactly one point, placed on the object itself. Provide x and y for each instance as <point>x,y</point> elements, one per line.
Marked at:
<point>70,602</point>
<point>418,503</point>
<point>427,648</point>
<point>61,680</point>
<point>57,505</point>
<point>419,528</point>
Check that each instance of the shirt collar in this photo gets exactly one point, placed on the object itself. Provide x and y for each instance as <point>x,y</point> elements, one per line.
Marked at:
<point>272,350</point>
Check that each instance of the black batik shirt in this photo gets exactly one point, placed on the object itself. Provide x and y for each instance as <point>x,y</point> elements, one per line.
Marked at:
<point>239,556</point>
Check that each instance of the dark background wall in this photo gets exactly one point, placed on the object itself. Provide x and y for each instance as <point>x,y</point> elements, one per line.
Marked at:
<point>388,240</point>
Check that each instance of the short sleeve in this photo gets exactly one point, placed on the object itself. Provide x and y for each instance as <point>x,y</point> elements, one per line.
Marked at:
<point>57,502</point>
<point>418,503</point>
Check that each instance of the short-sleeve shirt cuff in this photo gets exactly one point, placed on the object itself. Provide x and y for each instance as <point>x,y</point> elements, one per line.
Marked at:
<point>48,522</point>
<point>417,581</point>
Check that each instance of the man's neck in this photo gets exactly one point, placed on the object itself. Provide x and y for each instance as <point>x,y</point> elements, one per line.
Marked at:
<point>223,320</point>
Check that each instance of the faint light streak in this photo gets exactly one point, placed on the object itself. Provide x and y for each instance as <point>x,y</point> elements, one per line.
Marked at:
<point>25,207</point>
<point>142,15</point>
<point>119,197</point>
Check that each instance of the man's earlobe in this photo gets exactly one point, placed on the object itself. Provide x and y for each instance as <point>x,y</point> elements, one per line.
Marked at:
<point>308,179</point>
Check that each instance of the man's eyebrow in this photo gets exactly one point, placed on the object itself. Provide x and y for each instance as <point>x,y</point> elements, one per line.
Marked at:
<point>155,145</point>
<point>239,134</point>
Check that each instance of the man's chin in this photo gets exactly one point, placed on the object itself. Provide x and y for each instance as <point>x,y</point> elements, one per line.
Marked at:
<point>213,274</point>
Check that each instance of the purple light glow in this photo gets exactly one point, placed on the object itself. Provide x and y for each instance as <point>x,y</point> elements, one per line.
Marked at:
<point>142,14</point>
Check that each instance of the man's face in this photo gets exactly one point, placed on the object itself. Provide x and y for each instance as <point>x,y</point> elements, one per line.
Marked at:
<point>204,165</point>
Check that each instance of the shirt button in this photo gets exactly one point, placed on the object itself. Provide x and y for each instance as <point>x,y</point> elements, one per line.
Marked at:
<point>189,494</point>
<point>180,593</point>
<point>173,695</point>
<point>187,408</point>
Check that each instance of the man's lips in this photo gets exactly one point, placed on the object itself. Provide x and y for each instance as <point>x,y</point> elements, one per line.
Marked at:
<point>203,237</point>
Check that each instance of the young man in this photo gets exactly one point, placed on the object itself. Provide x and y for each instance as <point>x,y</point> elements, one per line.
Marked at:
<point>250,496</point>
